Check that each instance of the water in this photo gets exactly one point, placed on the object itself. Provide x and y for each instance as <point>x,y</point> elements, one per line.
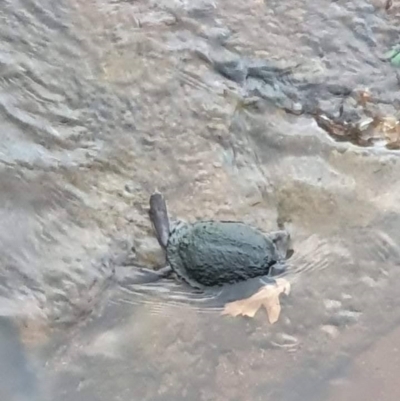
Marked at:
<point>252,111</point>
<point>18,379</point>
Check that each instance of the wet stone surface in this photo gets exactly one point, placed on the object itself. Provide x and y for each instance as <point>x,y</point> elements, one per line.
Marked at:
<point>256,111</point>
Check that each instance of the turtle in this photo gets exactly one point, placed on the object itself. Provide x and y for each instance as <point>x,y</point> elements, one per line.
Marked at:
<point>212,253</point>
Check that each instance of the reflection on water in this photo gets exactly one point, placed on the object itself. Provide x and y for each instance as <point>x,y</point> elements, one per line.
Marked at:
<point>101,102</point>
<point>373,375</point>
<point>17,379</point>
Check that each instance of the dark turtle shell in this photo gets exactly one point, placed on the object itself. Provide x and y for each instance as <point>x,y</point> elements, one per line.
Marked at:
<point>213,253</point>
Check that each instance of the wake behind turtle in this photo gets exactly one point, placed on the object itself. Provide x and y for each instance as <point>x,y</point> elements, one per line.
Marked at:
<point>214,253</point>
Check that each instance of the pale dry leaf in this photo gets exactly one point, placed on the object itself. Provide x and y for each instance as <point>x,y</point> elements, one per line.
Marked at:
<point>267,296</point>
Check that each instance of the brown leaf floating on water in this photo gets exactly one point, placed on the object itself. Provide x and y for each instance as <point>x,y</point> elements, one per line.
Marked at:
<point>267,296</point>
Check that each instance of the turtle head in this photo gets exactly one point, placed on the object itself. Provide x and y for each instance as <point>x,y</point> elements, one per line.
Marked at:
<point>158,214</point>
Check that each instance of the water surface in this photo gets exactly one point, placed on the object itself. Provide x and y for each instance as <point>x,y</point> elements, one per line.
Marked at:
<point>234,110</point>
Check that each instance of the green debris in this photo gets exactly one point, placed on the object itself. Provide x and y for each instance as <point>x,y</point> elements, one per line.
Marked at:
<point>396,60</point>
<point>393,56</point>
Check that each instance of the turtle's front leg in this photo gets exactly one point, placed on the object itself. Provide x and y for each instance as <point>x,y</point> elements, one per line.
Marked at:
<point>141,275</point>
<point>164,272</point>
<point>144,275</point>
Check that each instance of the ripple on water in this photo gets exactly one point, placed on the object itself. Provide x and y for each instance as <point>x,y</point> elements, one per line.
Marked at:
<point>96,95</point>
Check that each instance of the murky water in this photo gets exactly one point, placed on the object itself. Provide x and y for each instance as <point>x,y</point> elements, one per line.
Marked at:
<point>268,112</point>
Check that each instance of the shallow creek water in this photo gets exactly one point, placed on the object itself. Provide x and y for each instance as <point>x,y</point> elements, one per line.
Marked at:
<point>269,112</point>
